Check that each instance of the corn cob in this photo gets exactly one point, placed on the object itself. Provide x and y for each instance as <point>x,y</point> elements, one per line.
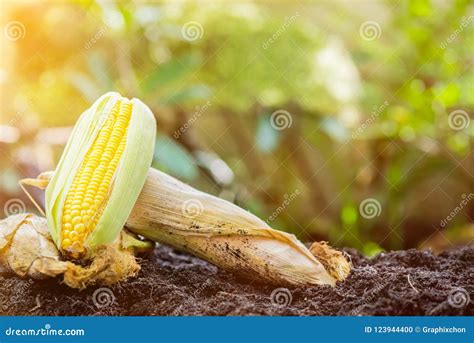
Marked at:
<point>226,235</point>
<point>95,191</point>
<point>100,174</point>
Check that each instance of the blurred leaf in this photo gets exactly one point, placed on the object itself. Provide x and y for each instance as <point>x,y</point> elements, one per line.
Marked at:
<point>254,206</point>
<point>127,15</point>
<point>267,137</point>
<point>99,69</point>
<point>334,128</point>
<point>172,158</point>
<point>9,180</point>
<point>370,249</point>
<point>84,85</point>
<point>449,95</point>
<point>187,94</point>
<point>349,215</point>
<point>395,174</point>
<point>460,143</point>
<point>396,88</point>
<point>420,8</point>
<point>169,72</point>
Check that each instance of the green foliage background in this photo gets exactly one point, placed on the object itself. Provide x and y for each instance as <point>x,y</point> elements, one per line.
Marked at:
<point>369,117</point>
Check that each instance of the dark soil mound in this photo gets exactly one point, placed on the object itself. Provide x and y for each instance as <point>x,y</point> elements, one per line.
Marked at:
<point>171,283</point>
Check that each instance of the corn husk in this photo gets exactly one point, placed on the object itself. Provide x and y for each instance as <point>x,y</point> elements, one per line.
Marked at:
<point>27,250</point>
<point>128,179</point>
<point>173,213</point>
<point>170,212</point>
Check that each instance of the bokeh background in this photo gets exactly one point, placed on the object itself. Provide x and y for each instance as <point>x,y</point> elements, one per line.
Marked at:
<point>336,120</point>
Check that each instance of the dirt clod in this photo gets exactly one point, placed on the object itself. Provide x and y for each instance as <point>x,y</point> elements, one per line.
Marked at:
<point>171,283</point>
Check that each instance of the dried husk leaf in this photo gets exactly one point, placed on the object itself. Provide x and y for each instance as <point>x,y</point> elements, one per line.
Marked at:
<point>333,260</point>
<point>222,233</point>
<point>27,250</point>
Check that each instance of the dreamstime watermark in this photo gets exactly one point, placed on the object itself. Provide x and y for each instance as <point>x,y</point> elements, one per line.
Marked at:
<point>371,296</point>
<point>466,198</point>
<point>373,116</point>
<point>98,35</point>
<point>192,31</point>
<point>14,30</point>
<point>20,113</point>
<point>370,30</point>
<point>200,110</point>
<point>281,297</point>
<point>286,24</point>
<point>370,208</point>
<point>192,208</point>
<point>47,330</point>
<point>24,107</point>
<point>458,298</point>
<point>288,200</point>
<point>191,299</point>
<point>18,294</point>
<point>281,120</point>
<point>103,297</point>
<point>14,206</point>
<point>368,270</point>
<point>23,287</point>
<point>9,132</point>
<point>465,22</point>
<point>458,120</point>
<point>15,119</point>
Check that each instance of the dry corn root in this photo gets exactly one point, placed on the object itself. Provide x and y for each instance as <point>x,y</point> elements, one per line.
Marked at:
<point>103,182</point>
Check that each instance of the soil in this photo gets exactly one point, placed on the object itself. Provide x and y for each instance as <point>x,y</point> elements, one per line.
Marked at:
<point>408,282</point>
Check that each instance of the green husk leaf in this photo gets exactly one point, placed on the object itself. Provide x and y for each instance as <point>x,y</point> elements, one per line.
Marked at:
<point>129,178</point>
<point>81,139</point>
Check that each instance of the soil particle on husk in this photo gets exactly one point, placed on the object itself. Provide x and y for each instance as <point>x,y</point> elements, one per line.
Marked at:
<point>408,282</point>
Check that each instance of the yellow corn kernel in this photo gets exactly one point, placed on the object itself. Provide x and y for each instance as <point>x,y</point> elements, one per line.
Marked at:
<point>87,195</point>
<point>100,175</point>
